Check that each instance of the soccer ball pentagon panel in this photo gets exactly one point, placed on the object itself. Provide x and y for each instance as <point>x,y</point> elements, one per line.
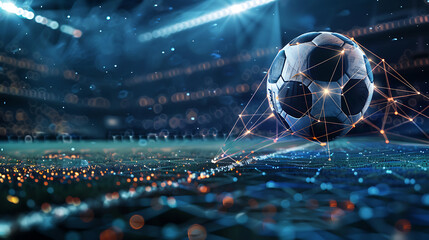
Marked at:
<point>320,85</point>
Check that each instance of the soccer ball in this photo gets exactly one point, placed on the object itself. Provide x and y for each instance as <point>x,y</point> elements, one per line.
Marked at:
<point>320,85</point>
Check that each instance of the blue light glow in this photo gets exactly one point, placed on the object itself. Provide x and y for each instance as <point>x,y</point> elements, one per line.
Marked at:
<point>11,8</point>
<point>28,14</point>
<point>210,17</point>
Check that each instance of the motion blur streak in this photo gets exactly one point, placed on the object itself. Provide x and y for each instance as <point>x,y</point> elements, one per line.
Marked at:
<point>210,17</point>
<point>11,8</point>
<point>28,14</point>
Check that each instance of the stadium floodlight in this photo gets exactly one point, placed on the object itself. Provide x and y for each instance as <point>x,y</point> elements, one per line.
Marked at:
<point>210,17</point>
<point>11,8</point>
<point>28,14</point>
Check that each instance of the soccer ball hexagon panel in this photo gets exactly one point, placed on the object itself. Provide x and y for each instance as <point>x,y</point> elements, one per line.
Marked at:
<point>319,85</point>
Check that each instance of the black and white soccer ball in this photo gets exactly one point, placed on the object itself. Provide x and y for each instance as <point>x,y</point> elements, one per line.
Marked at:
<point>320,85</point>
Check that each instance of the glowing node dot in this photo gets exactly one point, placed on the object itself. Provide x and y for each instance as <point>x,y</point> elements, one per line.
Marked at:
<point>418,93</point>
<point>342,52</point>
<point>411,119</point>
<point>396,113</point>
<point>382,59</point>
<point>387,141</point>
<point>382,131</point>
<point>326,91</point>
<point>322,144</point>
<point>390,99</point>
<point>248,132</point>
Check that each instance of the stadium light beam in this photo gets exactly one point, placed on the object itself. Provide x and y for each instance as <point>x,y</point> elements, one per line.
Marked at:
<point>28,14</point>
<point>11,8</point>
<point>210,17</point>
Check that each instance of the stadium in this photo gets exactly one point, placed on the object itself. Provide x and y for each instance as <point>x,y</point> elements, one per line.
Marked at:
<point>219,119</point>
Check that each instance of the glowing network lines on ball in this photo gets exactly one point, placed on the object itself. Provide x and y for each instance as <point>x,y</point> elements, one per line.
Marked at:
<point>30,15</point>
<point>210,17</point>
<point>388,112</point>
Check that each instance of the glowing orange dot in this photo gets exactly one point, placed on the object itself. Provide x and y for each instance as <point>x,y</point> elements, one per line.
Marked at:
<point>387,141</point>
<point>13,199</point>
<point>349,205</point>
<point>228,201</point>
<point>109,234</point>
<point>136,222</point>
<point>396,113</point>
<point>403,225</point>
<point>115,195</point>
<point>46,207</point>
<point>197,232</point>
<point>382,131</point>
<point>203,189</point>
<point>76,201</point>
